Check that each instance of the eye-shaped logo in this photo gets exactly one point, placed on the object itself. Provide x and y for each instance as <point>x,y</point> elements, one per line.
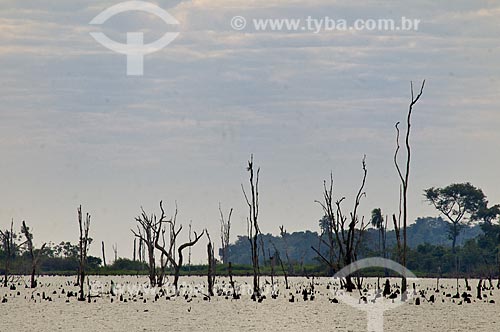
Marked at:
<point>135,49</point>
<point>373,303</point>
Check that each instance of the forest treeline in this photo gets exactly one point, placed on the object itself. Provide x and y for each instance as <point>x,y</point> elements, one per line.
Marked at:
<point>430,253</point>
<point>429,241</point>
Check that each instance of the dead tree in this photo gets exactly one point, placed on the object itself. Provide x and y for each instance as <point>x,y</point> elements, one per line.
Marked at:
<point>104,254</point>
<point>189,237</point>
<point>146,233</point>
<point>284,234</point>
<point>34,255</point>
<point>236,296</point>
<point>211,266</point>
<point>252,222</point>
<point>83,246</point>
<point>115,251</point>
<point>327,237</point>
<point>135,249</point>
<point>285,274</point>
<point>272,261</point>
<point>151,230</point>
<point>348,230</point>
<point>139,251</point>
<point>163,261</point>
<point>9,248</point>
<point>225,228</point>
<point>397,228</point>
<point>169,250</point>
<point>404,178</point>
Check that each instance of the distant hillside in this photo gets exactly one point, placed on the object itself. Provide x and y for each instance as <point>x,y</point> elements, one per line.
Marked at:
<point>425,230</point>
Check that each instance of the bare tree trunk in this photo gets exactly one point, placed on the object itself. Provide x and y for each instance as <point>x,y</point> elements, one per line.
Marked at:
<point>479,286</point>
<point>272,262</point>
<point>103,254</point>
<point>231,281</point>
<point>150,230</point>
<point>211,266</point>
<point>147,235</point>
<point>9,247</point>
<point>225,227</point>
<point>34,258</point>
<point>454,237</point>
<point>283,234</point>
<point>84,243</point>
<point>405,178</point>
<point>177,265</point>
<point>133,255</point>
<point>189,250</point>
<point>252,223</point>
<point>347,235</point>
<point>285,274</point>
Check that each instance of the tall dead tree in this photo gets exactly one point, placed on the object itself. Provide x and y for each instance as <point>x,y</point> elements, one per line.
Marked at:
<point>135,250</point>
<point>34,254</point>
<point>272,261</point>
<point>252,222</point>
<point>211,266</point>
<point>115,251</point>
<point>163,263</point>
<point>146,233</point>
<point>9,247</point>
<point>189,237</point>
<point>225,228</point>
<point>152,232</point>
<point>83,249</point>
<point>404,179</point>
<point>169,250</point>
<point>327,238</point>
<point>277,256</point>
<point>348,229</point>
<point>284,236</point>
<point>104,254</point>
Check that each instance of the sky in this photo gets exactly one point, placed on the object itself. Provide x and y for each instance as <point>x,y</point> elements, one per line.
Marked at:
<point>75,129</point>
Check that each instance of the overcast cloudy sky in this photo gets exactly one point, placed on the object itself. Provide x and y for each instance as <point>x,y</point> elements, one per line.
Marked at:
<point>74,129</point>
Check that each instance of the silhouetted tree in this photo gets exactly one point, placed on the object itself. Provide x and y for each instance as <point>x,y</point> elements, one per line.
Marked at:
<point>348,230</point>
<point>461,203</point>
<point>34,254</point>
<point>83,246</point>
<point>284,236</point>
<point>104,254</point>
<point>253,229</point>
<point>211,266</point>
<point>146,233</point>
<point>327,237</point>
<point>225,228</point>
<point>404,178</point>
<point>9,248</point>
<point>379,223</point>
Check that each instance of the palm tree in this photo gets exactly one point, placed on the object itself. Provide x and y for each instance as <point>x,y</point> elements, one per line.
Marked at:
<point>378,222</point>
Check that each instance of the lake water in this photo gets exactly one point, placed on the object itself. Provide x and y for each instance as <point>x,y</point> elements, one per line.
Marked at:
<point>25,310</point>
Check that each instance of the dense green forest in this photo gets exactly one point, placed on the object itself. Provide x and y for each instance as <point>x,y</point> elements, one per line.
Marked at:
<point>433,231</point>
